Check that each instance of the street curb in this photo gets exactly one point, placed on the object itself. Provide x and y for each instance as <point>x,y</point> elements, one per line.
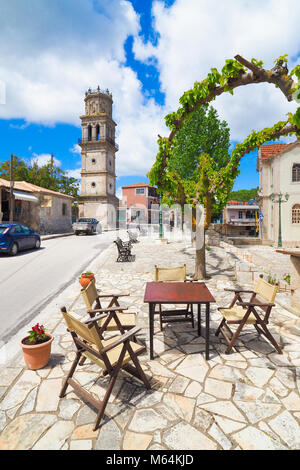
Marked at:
<point>11,348</point>
<point>56,235</point>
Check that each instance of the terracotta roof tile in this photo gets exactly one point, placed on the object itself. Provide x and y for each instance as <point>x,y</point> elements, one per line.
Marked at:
<point>32,188</point>
<point>269,150</point>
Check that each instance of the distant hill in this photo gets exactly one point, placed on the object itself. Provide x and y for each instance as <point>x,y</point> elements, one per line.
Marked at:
<point>243,195</point>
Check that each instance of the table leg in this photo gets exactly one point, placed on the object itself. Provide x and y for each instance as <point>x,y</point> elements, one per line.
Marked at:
<point>151,327</point>
<point>207,331</point>
<point>199,319</point>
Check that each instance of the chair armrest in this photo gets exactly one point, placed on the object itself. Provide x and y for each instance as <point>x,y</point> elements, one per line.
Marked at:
<point>110,309</point>
<point>255,304</point>
<point>240,290</point>
<point>110,295</point>
<point>96,318</point>
<point>121,339</point>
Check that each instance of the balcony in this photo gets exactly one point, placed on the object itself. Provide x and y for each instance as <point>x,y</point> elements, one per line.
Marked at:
<point>100,139</point>
<point>245,221</point>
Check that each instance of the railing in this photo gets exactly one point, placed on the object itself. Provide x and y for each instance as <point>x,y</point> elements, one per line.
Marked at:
<point>100,139</point>
<point>252,219</point>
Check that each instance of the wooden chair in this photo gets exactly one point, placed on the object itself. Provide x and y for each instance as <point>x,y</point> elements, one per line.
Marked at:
<point>256,312</point>
<point>110,355</point>
<point>179,315</point>
<point>92,301</point>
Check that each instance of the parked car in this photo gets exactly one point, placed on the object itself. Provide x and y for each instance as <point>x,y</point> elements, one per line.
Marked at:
<point>85,225</point>
<point>17,237</point>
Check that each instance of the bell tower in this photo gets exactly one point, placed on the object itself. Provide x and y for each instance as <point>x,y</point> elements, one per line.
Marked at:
<point>98,148</point>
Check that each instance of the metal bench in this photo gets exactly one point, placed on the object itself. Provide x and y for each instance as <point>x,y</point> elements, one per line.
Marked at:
<point>124,251</point>
<point>132,237</point>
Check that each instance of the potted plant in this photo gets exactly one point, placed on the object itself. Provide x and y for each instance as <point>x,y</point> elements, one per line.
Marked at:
<point>86,278</point>
<point>37,347</point>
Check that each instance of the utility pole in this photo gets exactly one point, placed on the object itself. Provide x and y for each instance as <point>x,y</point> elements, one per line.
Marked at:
<point>279,201</point>
<point>161,229</point>
<point>11,202</point>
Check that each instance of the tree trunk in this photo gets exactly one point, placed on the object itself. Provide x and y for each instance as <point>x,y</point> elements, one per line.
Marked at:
<point>200,265</point>
<point>200,260</point>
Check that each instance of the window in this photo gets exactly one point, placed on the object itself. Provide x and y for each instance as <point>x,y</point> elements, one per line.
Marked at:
<point>64,209</point>
<point>93,185</point>
<point>140,191</point>
<point>93,161</point>
<point>240,214</point>
<point>296,214</point>
<point>296,173</point>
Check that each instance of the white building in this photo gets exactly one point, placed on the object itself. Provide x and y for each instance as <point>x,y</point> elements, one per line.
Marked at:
<point>279,173</point>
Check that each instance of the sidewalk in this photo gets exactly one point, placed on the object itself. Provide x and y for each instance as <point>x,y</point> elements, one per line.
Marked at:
<point>249,399</point>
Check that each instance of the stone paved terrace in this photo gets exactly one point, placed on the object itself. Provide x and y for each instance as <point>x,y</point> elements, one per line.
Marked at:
<point>246,400</point>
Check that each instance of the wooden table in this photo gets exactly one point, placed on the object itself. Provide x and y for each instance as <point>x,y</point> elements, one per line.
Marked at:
<point>195,293</point>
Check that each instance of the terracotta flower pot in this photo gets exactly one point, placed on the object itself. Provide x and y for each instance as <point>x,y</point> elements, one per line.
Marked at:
<point>37,356</point>
<point>85,279</point>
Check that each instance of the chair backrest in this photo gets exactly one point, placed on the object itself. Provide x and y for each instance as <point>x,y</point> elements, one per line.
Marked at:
<point>170,274</point>
<point>83,331</point>
<point>90,294</point>
<point>265,290</point>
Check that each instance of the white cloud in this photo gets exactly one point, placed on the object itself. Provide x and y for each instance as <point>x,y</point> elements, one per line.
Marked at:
<point>75,149</point>
<point>196,35</point>
<point>74,173</point>
<point>62,49</point>
<point>43,159</point>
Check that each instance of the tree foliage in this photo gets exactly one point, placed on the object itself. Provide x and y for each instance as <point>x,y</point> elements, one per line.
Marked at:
<point>232,75</point>
<point>243,195</point>
<point>48,176</point>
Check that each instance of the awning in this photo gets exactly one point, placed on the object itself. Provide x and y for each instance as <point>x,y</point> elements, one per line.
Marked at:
<point>25,196</point>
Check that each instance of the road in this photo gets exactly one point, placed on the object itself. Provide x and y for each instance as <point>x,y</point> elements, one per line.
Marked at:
<point>30,280</point>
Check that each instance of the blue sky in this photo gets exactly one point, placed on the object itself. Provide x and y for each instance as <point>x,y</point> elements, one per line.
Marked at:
<point>147,53</point>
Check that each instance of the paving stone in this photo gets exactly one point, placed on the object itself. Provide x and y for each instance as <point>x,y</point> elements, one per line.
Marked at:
<point>254,439</point>
<point>182,406</point>
<point>179,385</point>
<point>109,437</point>
<point>15,435</point>
<point>256,411</point>
<point>67,408</point>
<point>223,372</point>
<point>216,433</point>
<point>185,437</point>
<point>224,408</point>
<point>20,390</point>
<point>81,445</point>
<point>55,438</point>
<point>227,425</point>
<point>218,388</point>
<point>29,402</point>
<point>48,395</point>
<point>8,375</point>
<point>287,428</point>
<point>202,419</point>
<point>193,390</point>
<point>193,367</point>
<point>147,420</point>
<point>85,431</point>
<point>134,441</point>
<point>259,376</point>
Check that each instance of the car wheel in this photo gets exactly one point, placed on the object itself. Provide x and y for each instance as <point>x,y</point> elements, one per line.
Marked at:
<point>14,249</point>
<point>37,244</point>
<point>77,233</point>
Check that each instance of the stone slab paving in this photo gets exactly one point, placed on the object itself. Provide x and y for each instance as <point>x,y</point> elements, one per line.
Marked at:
<point>249,399</point>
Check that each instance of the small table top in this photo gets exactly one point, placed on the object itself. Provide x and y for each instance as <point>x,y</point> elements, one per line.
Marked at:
<point>177,293</point>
